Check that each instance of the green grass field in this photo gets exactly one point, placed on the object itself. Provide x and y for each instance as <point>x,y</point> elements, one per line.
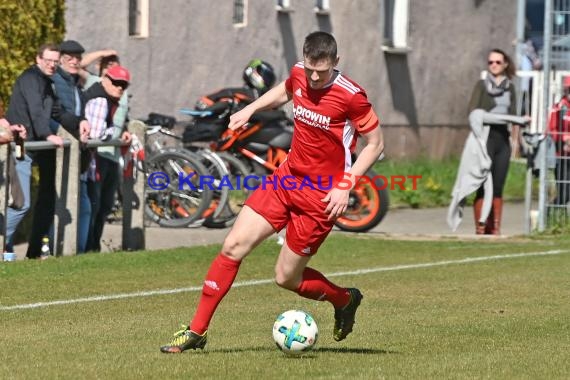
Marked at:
<point>432,310</point>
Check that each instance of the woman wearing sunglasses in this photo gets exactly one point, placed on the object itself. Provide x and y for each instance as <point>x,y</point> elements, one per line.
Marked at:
<point>495,94</point>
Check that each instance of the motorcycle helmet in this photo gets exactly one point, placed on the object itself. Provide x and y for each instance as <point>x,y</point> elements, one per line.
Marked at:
<point>259,75</point>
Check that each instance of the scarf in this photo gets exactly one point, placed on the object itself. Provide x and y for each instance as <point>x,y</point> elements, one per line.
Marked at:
<point>495,89</point>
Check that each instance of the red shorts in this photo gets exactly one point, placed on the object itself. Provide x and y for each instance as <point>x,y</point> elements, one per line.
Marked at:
<point>283,204</point>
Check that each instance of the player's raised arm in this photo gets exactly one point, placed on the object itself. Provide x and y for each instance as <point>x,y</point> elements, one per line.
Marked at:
<point>273,98</point>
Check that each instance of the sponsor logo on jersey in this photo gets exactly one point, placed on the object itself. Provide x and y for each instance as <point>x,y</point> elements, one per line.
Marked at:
<point>311,118</point>
<point>299,93</point>
<point>306,250</point>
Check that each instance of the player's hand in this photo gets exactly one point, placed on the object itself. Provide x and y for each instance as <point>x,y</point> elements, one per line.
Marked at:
<point>337,200</point>
<point>55,139</point>
<point>239,119</point>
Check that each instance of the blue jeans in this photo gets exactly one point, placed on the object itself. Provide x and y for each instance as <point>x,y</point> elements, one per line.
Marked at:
<point>15,216</point>
<point>102,196</point>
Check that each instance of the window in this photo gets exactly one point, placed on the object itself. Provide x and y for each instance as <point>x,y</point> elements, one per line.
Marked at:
<point>322,7</point>
<point>396,26</point>
<point>240,13</point>
<point>138,18</point>
<point>284,6</point>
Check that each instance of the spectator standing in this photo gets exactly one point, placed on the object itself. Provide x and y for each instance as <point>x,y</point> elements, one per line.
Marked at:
<point>66,78</point>
<point>32,104</point>
<point>102,102</point>
<point>69,92</point>
<point>16,133</point>
<point>106,60</point>
<point>559,129</point>
<point>495,94</point>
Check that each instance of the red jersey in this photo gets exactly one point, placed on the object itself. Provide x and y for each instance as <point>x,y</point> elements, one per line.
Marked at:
<point>326,121</point>
<point>559,126</point>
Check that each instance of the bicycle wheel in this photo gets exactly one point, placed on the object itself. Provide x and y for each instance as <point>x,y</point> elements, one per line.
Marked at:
<point>367,206</point>
<point>174,195</point>
<point>220,174</point>
<point>231,208</point>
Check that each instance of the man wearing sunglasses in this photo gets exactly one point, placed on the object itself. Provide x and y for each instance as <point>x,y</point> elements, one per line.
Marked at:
<point>102,102</point>
<point>104,60</point>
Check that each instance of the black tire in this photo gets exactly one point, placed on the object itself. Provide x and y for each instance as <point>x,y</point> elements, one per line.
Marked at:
<point>235,202</point>
<point>218,170</point>
<point>176,205</point>
<point>368,205</point>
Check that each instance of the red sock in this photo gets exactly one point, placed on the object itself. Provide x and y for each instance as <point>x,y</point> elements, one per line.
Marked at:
<point>218,282</point>
<point>315,286</point>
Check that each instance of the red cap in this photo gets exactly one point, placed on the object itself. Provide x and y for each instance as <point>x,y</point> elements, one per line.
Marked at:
<point>566,82</point>
<point>119,73</point>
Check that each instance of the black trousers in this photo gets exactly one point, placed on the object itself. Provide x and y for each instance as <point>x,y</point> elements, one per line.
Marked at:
<point>562,174</point>
<point>499,150</point>
<point>44,208</point>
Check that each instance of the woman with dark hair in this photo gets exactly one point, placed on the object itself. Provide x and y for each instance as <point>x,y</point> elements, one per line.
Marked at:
<point>495,94</point>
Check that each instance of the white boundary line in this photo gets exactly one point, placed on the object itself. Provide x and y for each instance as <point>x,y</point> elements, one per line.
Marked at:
<point>269,281</point>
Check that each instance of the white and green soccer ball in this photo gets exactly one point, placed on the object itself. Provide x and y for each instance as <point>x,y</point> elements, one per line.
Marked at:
<point>295,332</point>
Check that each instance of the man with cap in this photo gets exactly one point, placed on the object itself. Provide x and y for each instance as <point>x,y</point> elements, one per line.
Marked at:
<point>66,77</point>
<point>559,130</point>
<point>68,89</point>
<point>104,60</point>
<point>101,104</point>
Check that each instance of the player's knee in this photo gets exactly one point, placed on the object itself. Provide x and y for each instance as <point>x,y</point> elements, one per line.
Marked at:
<point>285,282</point>
<point>234,248</point>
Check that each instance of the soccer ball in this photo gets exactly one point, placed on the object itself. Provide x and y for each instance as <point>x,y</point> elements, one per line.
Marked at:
<point>295,332</point>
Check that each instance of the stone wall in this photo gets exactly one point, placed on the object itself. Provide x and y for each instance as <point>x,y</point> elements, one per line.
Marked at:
<point>194,49</point>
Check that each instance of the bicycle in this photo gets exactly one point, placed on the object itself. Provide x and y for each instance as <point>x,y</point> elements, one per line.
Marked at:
<point>218,210</point>
<point>176,198</point>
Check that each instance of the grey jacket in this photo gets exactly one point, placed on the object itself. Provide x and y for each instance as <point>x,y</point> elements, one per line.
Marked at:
<point>475,166</point>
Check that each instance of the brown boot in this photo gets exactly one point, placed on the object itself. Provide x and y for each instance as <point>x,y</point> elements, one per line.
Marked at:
<point>497,214</point>
<point>477,205</point>
<point>490,222</point>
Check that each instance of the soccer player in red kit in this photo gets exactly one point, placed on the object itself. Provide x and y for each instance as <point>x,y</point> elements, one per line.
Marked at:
<point>329,110</point>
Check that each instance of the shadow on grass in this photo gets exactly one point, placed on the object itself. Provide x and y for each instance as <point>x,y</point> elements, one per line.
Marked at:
<point>340,350</point>
<point>362,351</point>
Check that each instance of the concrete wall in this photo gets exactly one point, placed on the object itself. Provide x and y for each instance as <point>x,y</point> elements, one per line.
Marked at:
<point>194,49</point>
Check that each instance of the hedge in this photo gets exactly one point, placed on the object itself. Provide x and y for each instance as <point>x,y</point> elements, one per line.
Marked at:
<point>24,26</point>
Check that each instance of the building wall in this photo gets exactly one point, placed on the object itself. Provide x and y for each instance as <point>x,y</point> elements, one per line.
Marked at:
<point>194,49</point>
